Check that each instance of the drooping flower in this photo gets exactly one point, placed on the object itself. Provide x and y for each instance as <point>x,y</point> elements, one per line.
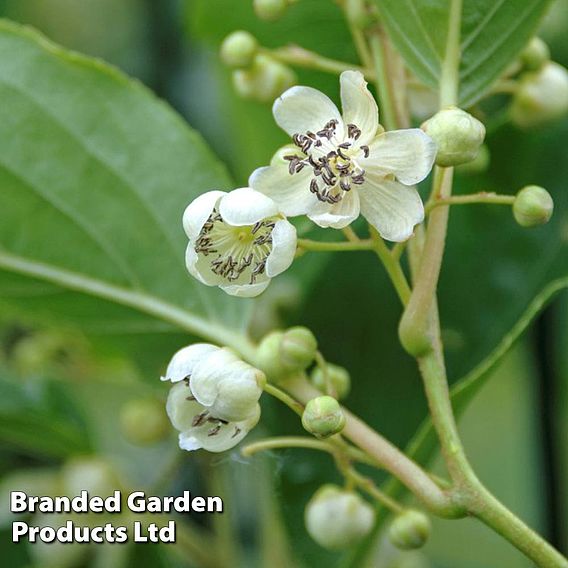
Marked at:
<point>237,240</point>
<point>343,165</point>
<point>214,401</point>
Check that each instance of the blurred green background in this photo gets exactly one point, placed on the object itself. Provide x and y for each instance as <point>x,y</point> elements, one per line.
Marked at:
<point>65,389</point>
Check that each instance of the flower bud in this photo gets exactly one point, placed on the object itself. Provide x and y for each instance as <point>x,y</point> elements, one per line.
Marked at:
<point>336,518</point>
<point>533,206</point>
<point>541,96</point>
<point>144,421</point>
<point>298,348</point>
<point>323,417</point>
<point>268,356</point>
<point>239,49</point>
<point>457,134</point>
<point>264,81</point>
<point>270,10</point>
<point>410,530</point>
<point>478,165</point>
<point>535,54</point>
<point>339,380</point>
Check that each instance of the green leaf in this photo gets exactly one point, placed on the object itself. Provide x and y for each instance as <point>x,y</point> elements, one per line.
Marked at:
<point>492,34</point>
<point>94,175</point>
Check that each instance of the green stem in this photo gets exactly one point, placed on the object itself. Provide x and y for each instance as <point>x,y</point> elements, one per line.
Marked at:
<point>449,81</point>
<point>383,86</point>
<point>392,266</point>
<point>415,330</point>
<point>283,442</point>
<point>481,197</point>
<point>300,57</point>
<point>341,246</point>
<point>284,397</point>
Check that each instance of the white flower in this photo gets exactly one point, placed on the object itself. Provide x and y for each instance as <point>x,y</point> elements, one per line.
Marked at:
<point>237,241</point>
<point>214,401</point>
<point>346,165</point>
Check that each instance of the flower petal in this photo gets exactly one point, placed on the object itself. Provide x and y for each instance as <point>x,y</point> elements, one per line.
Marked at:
<point>338,215</point>
<point>391,207</point>
<point>180,410</point>
<point>199,267</point>
<point>246,290</point>
<point>184,361</point>
<point>208,374</point>
<point>198,211</point>
<point>245,206</point>
<point>408,154</point>
<point>302,109</point>
<point>227,437</point>
<point>358,105</point>
<point>283,248</point>
<point>239,392</point>
<point>291,192</point>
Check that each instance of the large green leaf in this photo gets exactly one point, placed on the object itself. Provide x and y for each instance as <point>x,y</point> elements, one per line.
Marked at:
<point>492,34</point>
<point>94,175</point>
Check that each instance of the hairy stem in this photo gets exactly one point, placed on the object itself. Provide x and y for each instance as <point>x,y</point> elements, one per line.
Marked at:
<point>323,246</point>
<point>481,197</point>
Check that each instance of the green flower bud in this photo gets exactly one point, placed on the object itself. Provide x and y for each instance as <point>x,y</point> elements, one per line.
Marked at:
<point>410,530</point>
<point>270,10</point>
<point>268,356</point>
<point>535,54</point>
<point>336,518</point>
<point>144,421</point>
<point>457,134</point>
<point>239,49</point>
<point>478,165</point>
<point>323,417</point>
<point>338,377</point>
<point>265,80</point>
<point>533,206</point>
<point>541,96</point>
<point>298,348</point>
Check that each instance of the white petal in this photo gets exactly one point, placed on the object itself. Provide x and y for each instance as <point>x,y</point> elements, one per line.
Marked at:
<point>358,105</point>
<point>283,248</point>
<point>228,436</point>
<point>181,411</point>
<point>184,361</point>
<point>391,207</point>
<point>408,154</point>
<point>300,109</point>
<point>340,214</point>
<point>246,290</point>
<point>198,211</point>
<point>199,267</point>
<point>189,442</point>
<point>290,192</point>
<point>239,392</point>
<point>208,373</point>
<point>245,206</point>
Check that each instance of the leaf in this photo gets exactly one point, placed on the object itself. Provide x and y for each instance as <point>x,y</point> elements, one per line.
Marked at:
<point>493,32</point>
<point>94,175</point>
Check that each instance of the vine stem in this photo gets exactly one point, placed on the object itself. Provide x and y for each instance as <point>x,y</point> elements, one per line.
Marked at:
<point>481,197</point>
<point>326,246</point>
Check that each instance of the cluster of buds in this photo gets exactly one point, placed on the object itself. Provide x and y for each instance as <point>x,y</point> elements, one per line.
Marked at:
<point>256,75</point>
<point>541,90</point>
